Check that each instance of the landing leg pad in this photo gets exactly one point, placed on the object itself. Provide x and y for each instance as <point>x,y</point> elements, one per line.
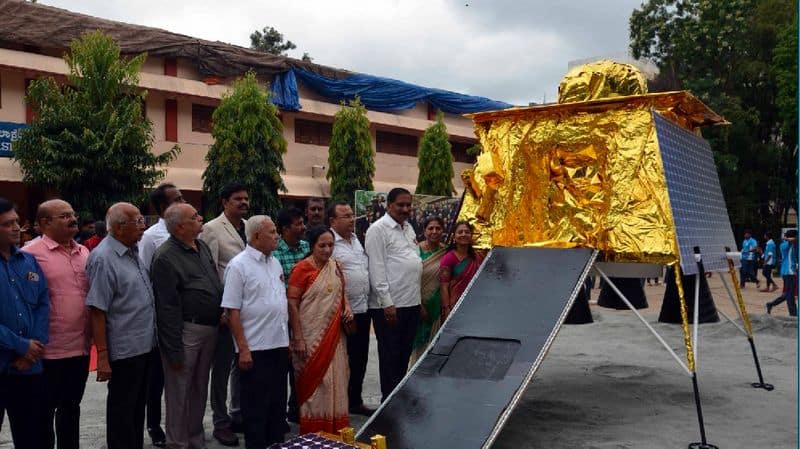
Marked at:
<point>702,446</point>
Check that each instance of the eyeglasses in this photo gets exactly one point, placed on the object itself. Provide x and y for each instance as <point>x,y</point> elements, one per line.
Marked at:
<point>138,221</point>
<point>65,215</point>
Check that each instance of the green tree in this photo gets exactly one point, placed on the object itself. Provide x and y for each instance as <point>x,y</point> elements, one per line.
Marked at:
<point>270,40</point>
<point>248,147</point>
<point>727,53</point>
<point>474,150</point>
<point>784,68</point>
<point>90,144</point>
<point>351,159</point>
<point>435,161</point>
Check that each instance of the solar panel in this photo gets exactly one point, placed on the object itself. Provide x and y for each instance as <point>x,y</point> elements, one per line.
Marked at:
<point>462,391</point>
<point>695,196</point>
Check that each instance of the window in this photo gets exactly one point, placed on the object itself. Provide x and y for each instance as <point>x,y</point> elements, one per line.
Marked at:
<point>393,143</point>
<point>312,132</point>
<point>171,66</point>
<point>459,150</point>
<point>171,120</point>
<point>201,118</point>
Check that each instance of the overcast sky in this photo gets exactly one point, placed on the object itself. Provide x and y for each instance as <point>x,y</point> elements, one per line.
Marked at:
<point>510,50</point>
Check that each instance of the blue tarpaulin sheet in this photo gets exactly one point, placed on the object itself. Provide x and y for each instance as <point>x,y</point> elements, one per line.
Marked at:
<point>376,93</point>
<point>284,91</point>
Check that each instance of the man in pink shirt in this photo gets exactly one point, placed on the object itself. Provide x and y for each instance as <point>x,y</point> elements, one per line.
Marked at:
<point>66,355</point>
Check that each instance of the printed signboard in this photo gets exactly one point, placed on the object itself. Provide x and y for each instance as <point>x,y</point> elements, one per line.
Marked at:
<point>9,132</point>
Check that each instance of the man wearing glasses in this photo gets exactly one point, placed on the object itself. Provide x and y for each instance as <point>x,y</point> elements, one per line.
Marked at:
<point>122,313</point>
<point>188,296</point>
<point>66,355</point>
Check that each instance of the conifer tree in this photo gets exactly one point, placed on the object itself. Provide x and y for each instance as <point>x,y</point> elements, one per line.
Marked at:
<point>351,159</point>
<point>435,161</point>
<point>248,148</point>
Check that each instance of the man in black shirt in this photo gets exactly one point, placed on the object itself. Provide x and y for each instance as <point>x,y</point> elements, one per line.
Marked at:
<point>188,295</point>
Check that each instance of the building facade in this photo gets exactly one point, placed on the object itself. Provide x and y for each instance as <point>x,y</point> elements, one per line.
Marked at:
<point>180,101</point>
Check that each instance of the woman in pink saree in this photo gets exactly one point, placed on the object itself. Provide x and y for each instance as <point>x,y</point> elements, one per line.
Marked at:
<point>318,313</point>
<point>458,267</point>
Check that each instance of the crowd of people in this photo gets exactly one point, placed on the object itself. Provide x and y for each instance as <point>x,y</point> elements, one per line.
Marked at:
<point>784,257</point>
<point>239,306</point>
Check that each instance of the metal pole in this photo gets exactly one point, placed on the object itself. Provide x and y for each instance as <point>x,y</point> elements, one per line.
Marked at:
<point>732,322</point>
<point>703,444</point>
<point>641,318</point>
<point>746,320</point>
<point>696,318</point>
<point>733,300</point>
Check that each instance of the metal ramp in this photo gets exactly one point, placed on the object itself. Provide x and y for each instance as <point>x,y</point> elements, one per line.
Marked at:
<point>464,388</point>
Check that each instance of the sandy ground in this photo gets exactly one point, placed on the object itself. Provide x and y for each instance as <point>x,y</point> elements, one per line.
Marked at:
<point>610,384</point>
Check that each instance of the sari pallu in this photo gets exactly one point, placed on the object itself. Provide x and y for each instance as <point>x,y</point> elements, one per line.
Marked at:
<point>431,300</point>
<point>460,273</point>
<point>321,378</point>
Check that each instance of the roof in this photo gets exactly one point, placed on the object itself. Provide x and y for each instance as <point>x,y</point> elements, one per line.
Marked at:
<point>47,27</point>
<point>44,27</point>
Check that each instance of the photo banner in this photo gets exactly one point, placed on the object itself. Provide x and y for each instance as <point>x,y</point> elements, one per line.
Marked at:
<point>370,206</point>
<point>9,132</point>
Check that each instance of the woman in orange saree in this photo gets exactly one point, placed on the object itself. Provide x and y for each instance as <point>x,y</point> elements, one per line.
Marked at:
<point>318,312</point>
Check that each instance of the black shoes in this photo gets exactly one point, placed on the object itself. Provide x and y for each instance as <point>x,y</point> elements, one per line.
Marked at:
<point>237,427</point>
<point>226,437</point>
<point>157,436</point>
<point>769,308</point>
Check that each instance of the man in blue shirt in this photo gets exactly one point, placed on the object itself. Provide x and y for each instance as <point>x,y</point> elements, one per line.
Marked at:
<point>23,332</point>
<point>749,251</point>
<point>770,258</point>
<point>788,273</point>
<point>122,313</point>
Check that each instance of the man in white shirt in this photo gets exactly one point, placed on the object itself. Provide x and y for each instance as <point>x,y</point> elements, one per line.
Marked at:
<point>395,274</point>
<point>353,260</point>
<point>161,197</point>
<point>255,300</point>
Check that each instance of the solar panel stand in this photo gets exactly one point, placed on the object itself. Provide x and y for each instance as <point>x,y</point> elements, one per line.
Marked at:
<point>691,372</point>
<point>627,302</point>
<point>746,320</point>
<point>703,444</point>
